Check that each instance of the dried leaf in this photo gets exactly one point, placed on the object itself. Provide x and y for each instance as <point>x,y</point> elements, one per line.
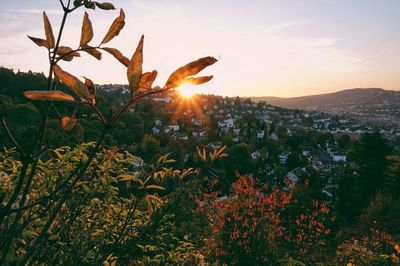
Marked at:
<point>105,6</point>
<point>68,122</point>
<point>49,96</point>
<point>77,2</point>
<point>134,72</point>
<point>49,32</point>
<point>181,74</point>
<point>118,55</point>
<point>38,41</point>
<point>199,80</point>
<point>115,28</point>
<point>93,52</point>
<point>91,89</point>
<point>71,82</point>
<point>87,31</point>
<point>147,80</point>
<point>67,53</point>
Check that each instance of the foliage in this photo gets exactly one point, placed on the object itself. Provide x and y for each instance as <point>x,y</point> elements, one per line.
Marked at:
<point>257,224</point>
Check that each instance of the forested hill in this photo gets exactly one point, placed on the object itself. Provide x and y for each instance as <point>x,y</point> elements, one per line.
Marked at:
<point>371,103</point>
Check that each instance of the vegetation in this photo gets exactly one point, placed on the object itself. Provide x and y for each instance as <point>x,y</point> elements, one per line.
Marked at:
<point>85,180</point>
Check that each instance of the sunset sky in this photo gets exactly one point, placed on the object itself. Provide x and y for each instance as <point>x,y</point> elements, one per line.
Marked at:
<point>265,48</point>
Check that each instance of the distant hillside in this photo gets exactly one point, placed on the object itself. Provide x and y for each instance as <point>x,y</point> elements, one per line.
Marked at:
<point>371,104</point>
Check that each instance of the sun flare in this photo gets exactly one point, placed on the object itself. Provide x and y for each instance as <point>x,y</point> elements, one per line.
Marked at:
<point>187,90</point>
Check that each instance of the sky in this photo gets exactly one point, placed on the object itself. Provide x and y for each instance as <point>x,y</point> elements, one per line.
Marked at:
<point>282,48</point>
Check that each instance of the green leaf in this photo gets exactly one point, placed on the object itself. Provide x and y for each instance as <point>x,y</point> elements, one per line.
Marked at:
<point>105,6</point>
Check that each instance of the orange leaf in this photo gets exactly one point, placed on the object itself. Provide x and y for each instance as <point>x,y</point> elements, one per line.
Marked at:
<point>134,72</point>
<point>48,96</point>
<point>49,32</point>
<point>118,55</point>
<point>87,31</point>
<point>115,28</point>
<point>147,80</point>
<point>71,82</point>
<point>68,122</point>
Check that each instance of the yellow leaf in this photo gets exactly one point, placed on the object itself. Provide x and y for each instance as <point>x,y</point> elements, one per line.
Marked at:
<point>146,81</point>
<point>48,96</point>
<point>182,73</point>
<point>38,41</point>
<point>71,82</point>
<point>49,32</point>
<point>118,55</point>
<point>68,122</point>
<point>155,187</point>
<point>115,28</point>
<point>93,52</point>
<point>67,53</point>
<point>199,80</point>
<point>134,72</point>
<point>87,31</point>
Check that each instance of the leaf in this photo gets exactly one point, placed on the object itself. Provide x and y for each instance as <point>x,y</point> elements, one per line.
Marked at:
<point>93,52</point>
<point>87,31</point>
<point>199,80</point>
<point>38,41</point>
<point>71,82</point>
<point>115,27</point>
<point>49,32</point>
<point>90,5</point>
<point>91,89</point>
<point>77,2</point>
<point>155,187</point>
<point>66,53</point>
<point>105,6</point>
<point>49,96</point>
<point>118,55</point>
<point>134,72</point>
<point>147,80</point>
<point>68,122</point>
<point>182,73</point>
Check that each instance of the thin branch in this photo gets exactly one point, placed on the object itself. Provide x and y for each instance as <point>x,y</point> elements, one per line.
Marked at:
<point>10,136</point>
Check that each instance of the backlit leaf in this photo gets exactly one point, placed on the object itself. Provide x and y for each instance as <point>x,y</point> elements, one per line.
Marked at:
<point>49,32</point>
<point>146,81</point>
<point>71,82</point>
<point>67,53</point>
<point>91,89</point>
<point>115,28</point>
<point>118,55</point>
<point>38,41</point>
<point>105,6</point>
<point>181,74</point>
<point>199,80</point>
<point>93,52</point>
<point>68,122</point>
<point>49,96</point>
<point>134,72</point>
<point>87,31</point>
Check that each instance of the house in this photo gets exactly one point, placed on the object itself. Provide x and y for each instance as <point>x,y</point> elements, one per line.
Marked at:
<point>173,127</point>
<point>338,158</point>
<point>283,158</point>
<point>256,155</point>
<point>155,130</point>
<point>260,134</point>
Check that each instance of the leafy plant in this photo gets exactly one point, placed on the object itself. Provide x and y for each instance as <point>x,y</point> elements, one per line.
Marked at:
<point>32,211</point>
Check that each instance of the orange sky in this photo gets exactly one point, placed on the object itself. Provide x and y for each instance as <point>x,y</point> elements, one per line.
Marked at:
<point>275,48</point>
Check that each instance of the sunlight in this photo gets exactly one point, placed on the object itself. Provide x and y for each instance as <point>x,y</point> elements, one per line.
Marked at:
<point>187,90</point>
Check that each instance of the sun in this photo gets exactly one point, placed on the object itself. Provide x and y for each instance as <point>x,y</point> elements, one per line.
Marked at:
<point>187,90</point>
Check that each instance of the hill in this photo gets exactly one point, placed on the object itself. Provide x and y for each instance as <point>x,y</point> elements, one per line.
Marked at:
<point>369,104</point>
